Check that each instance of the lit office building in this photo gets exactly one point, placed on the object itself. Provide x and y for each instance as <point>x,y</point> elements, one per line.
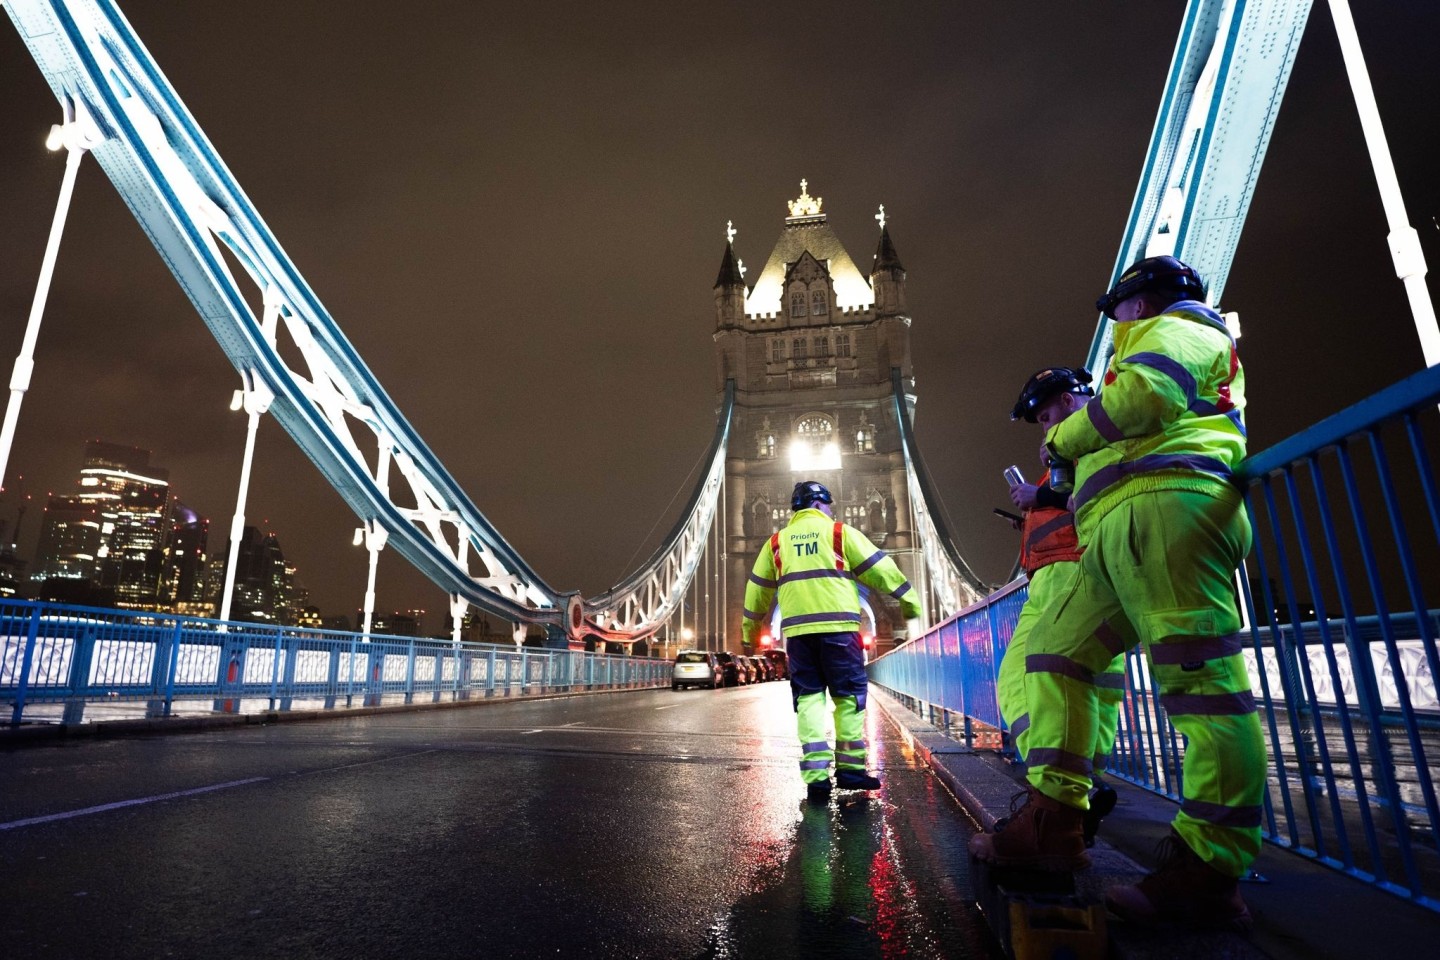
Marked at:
<point>114,530</point>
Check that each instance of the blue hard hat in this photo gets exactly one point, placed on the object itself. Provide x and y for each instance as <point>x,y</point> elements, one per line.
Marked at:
<point>807,492</point>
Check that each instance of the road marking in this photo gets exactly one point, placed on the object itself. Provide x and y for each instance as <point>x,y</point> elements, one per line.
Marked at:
<point>526,733</point>
<point>577,723</point>
<point>102,808</point>
<point>671,706</point>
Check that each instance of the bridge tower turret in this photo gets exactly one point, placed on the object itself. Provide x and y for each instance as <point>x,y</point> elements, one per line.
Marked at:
<point>810,350</point>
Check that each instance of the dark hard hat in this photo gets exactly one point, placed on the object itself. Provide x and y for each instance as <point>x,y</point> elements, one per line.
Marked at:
<point>1153,273</point>
<point>807,492</point>
<point>1047,383</point>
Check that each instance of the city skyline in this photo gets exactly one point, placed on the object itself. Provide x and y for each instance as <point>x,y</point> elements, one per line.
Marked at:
<point>527,268</point>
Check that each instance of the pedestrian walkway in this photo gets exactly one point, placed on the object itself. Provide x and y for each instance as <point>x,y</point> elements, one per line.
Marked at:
<point>1301,909</point>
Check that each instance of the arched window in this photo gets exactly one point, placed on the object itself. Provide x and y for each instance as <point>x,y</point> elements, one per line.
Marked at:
<point>797,304</point>
<point>767,446</point>
<point>819,303</point>
<point>842,345</point>
<point>865,439</point>
<point>777,350</point>
<point>799,349</point>
<point>813,447</point>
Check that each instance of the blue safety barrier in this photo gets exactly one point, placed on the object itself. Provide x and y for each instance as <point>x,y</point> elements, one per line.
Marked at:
<point>74,656</point>
<point>1339,595</point>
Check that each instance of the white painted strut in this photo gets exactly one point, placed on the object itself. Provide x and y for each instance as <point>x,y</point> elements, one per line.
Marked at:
<point>77,134</point>
<point>1404,241</point>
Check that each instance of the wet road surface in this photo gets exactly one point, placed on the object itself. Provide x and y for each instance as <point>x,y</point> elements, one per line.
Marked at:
<point>644,824</point>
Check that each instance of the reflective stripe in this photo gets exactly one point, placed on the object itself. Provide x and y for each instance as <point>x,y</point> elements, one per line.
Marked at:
<point>1172,368</point>
<point>1186,382</point>
<point>1060,759</point>
<point>839,616</point>
<point>1105,476</point>
<point>752,615</point>
<point>815,574</point>
<point>1055,663</point>
<point>1208,704</point>
<point>1021,724</point>
<point>821,747</point>
<point>849,744</point>
<point>869,562</point>
<point>901,590</point>
<point>1110,681</point>
<point>1110,638</point>
<point>1240,818</point>
<point>762,582</point>
<point>1174,650</point>
<point>814,764</point>
<point>1066,519</point>
<point>1101,421</point>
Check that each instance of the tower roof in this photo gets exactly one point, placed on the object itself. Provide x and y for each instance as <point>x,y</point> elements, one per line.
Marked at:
<point>730,275</point>
<point>807,229</point>
<point>885,256</point>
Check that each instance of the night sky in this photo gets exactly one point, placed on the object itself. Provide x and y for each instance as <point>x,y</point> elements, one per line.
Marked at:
<point>516,211</point>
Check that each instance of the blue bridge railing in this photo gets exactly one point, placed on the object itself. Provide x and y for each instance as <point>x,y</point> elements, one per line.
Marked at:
<point>1340,595</point>
<point>55,654</point>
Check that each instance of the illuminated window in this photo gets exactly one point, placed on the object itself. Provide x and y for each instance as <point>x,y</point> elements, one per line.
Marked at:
<point>777,350</point>
<point>797,304</point>
<point>814,447</point>
<point>798,348</point>
<point>864,440</point>
<point>767,445</point>
<point>842,345</point>
<point>819,303</point>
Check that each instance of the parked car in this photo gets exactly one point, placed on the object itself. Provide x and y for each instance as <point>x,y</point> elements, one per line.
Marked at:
<point>747,670</point>
<point>695,668</point>
<point>778,664</point>
<point>731,673</point>
<point>762,668</point>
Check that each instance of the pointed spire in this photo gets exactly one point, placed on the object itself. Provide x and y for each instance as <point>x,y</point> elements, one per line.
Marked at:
<point>885,256</point>
<point>730,275</point>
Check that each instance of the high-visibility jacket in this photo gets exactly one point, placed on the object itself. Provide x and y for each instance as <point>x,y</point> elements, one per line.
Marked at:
<point>1047,536</point>
<point>1170,416</point>
<point>813,564</point>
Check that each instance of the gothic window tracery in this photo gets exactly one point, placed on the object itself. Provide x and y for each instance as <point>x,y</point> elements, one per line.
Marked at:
<point>799,349</point>
<point>797,304</point>
<point>819,303</point>
<point>842,345</point>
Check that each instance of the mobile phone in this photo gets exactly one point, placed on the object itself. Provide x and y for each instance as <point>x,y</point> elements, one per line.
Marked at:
<point>1007,515</point>
<point>1013,476</point>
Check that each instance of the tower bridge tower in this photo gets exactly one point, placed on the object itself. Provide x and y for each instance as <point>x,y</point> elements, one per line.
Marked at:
<point>810,347</point>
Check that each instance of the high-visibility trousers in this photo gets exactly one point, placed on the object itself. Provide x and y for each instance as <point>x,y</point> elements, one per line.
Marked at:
<point>1048,585</point>
<point>1164,560</point>
<point>835,662</point>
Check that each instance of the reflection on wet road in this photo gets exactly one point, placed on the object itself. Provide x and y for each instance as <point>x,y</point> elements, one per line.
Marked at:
<point>644,824</point>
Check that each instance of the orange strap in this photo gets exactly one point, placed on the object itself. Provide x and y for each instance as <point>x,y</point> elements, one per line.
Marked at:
<point>775,552</point>
<point>839,545</point>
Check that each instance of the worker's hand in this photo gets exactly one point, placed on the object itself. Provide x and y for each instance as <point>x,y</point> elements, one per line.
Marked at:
<point>1023,495</point>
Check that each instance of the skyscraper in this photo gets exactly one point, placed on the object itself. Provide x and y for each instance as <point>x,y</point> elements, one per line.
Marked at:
<point>114,531</point>
<point>263,581</point>
<point>183,582</point>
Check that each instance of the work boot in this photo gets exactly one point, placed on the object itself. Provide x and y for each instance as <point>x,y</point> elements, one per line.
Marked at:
<point>856,780</point>
<point>1040,834</point>
<point>1183,891</point>
<point>818,792</point>
<point>1102,801</point>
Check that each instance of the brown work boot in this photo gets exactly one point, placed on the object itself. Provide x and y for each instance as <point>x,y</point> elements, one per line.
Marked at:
<point>1183,891</point>
<point>1042,834</point>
